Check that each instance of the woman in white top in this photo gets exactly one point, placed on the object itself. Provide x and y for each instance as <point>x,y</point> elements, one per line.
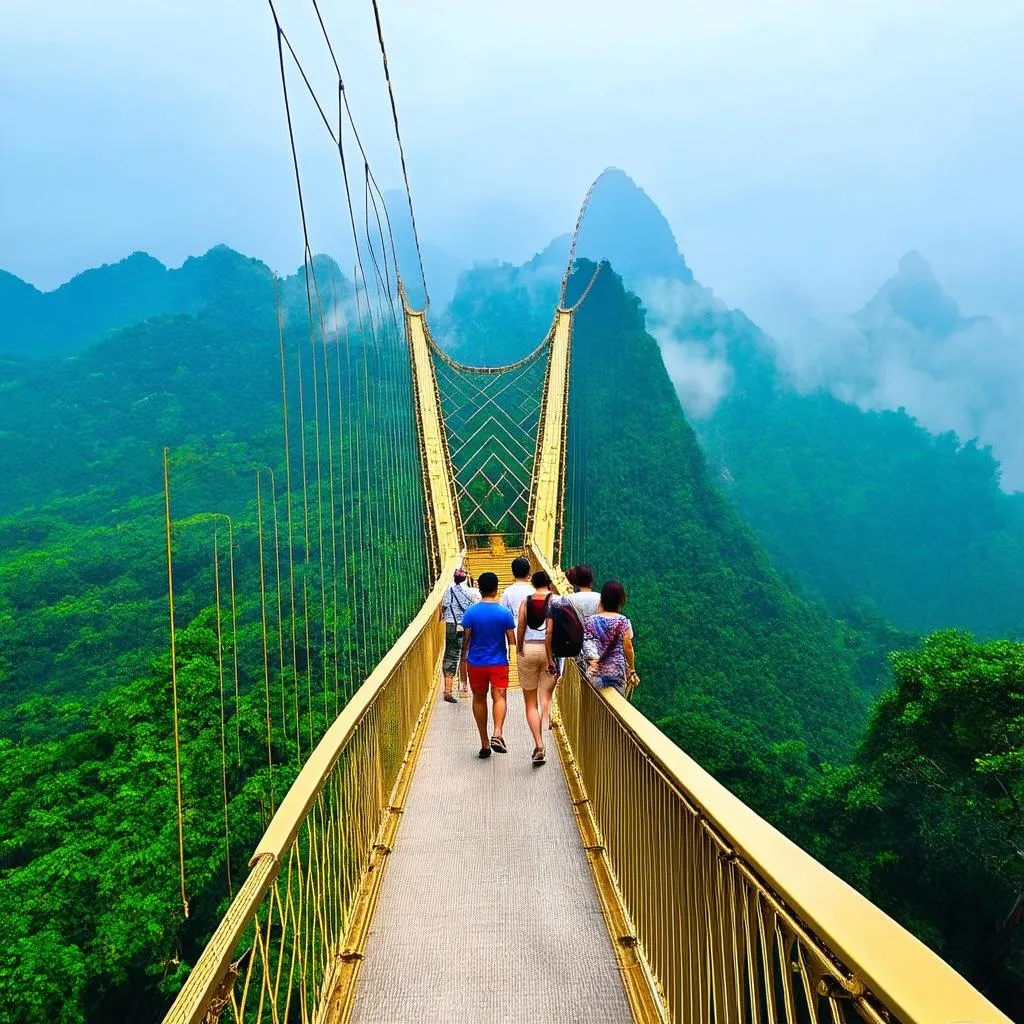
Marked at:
<point>536,672</point>
<point>586,602</point>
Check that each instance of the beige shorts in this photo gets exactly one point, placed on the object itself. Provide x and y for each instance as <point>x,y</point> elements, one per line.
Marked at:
<point>533,666</point>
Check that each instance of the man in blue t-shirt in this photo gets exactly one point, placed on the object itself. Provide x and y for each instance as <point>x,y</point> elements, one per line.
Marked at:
<point>488,633</point>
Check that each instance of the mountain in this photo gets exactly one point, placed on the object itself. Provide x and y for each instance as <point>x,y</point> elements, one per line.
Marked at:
<point>859,502</point>
<point>722,639</point>
<point>221,283</point>
<point>911,347</point>
<point>624,226</point>
<point>707,346</point>
<point>500,312</point>
<point>915,296</point>
<point>95,301</point>
<point>441,268</point>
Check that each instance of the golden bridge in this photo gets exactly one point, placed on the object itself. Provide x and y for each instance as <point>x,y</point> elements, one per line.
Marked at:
<point>402,879</point>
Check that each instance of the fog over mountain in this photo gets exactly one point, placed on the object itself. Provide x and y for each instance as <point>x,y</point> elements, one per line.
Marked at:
<point>911,347</point>
<point>908,347</point>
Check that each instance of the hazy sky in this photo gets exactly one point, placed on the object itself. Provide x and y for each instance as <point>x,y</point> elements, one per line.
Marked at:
<point>798,147</point>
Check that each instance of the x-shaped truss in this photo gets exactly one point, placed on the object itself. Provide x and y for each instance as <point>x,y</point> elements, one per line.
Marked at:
<point>490,420</point>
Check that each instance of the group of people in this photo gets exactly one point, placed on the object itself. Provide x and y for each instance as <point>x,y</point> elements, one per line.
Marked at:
<point>481,629</point>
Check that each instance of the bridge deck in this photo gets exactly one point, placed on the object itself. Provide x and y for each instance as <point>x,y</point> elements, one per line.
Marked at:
<point>488,910</point>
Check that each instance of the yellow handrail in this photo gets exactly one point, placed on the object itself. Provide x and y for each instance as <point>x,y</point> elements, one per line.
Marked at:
<point>292,933</point>
<point>734,920</point>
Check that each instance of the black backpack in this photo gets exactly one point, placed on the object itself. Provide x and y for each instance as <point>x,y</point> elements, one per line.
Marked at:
<point>566,630</point>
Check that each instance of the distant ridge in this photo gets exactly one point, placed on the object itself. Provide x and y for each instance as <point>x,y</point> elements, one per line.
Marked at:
<point>221,282</point>
<point>915,296</point>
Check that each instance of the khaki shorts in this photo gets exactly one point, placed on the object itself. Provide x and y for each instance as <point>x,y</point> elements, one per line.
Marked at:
<point>533,666</point>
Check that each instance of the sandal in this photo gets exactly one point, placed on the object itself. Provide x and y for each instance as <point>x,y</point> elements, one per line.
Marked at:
<point>538,756</point>
<point>498,745</point>
<point>451,698</point>
<point>484,752</point>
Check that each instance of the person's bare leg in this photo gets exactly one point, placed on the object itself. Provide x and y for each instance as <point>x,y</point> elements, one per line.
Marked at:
<point>480,714</point>
<point>533,716</point>
<point>449,679</point>
<point>499,707</point>
<point>546,691</point>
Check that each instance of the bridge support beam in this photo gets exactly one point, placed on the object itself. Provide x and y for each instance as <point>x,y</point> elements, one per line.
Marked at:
<point>547,494</point>
<point>444,524</point>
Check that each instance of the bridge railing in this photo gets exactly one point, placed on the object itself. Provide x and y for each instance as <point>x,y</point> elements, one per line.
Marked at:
<point>727,918</point>
<point>292,937</point>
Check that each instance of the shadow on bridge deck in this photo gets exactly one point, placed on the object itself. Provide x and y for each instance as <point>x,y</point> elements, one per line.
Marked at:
<point>488,910</point>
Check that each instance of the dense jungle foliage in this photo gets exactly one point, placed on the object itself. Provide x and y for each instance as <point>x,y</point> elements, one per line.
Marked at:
<point>720,633</point>
<point>89,887</point>
<point>866,509</point>
<point>904,774</point>
<point>868,506</point>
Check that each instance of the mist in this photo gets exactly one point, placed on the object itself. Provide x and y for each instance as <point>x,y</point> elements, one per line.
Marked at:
<point>797,146</point>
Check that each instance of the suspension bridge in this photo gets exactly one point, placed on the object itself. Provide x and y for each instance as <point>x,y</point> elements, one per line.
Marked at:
<point>402,879</point>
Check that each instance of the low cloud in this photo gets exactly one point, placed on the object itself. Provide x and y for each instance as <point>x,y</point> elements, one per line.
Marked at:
<point>701,381</point>
<point>968,381</point>
<point>699,369</point>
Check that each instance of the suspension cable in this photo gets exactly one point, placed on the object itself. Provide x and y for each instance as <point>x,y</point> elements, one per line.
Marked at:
<point>174,682</point>
<point>401,151</point>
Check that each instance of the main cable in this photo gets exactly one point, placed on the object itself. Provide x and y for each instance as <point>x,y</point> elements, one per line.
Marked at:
<point>401,152</point>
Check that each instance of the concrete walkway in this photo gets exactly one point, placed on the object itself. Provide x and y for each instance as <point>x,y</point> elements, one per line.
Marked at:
<point>488,911</point>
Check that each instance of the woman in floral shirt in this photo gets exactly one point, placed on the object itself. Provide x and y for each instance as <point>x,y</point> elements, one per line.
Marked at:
<point>608,641</point>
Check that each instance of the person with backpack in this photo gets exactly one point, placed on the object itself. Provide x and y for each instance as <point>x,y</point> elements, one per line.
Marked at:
<point>454,604</point>
<point>567,626</point>
<point>582,598</point>
<point>608,641</point>
<point>489,632</point>
<point>536,670</point>
<point>563,639</point>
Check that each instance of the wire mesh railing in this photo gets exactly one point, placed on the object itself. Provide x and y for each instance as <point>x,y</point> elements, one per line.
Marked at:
<point>290,943</point>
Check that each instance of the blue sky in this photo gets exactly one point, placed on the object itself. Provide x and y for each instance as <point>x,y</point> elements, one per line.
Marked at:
<point>798,147</point>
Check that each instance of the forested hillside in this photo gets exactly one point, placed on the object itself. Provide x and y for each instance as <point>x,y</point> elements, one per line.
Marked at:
<point>764,688</point>
<point>722,640</point>
<point>867,506</point>
<point>867,509</point>
<point>221,284</point>
<point>89,886</point>
<point>760,682</point>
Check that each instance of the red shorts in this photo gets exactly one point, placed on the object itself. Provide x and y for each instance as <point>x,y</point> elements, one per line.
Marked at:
<point>482,676</point>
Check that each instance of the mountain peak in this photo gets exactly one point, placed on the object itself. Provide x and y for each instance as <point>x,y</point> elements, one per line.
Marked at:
<point>914,266</point>
<point>915,296</point>
<point>624,226</point>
